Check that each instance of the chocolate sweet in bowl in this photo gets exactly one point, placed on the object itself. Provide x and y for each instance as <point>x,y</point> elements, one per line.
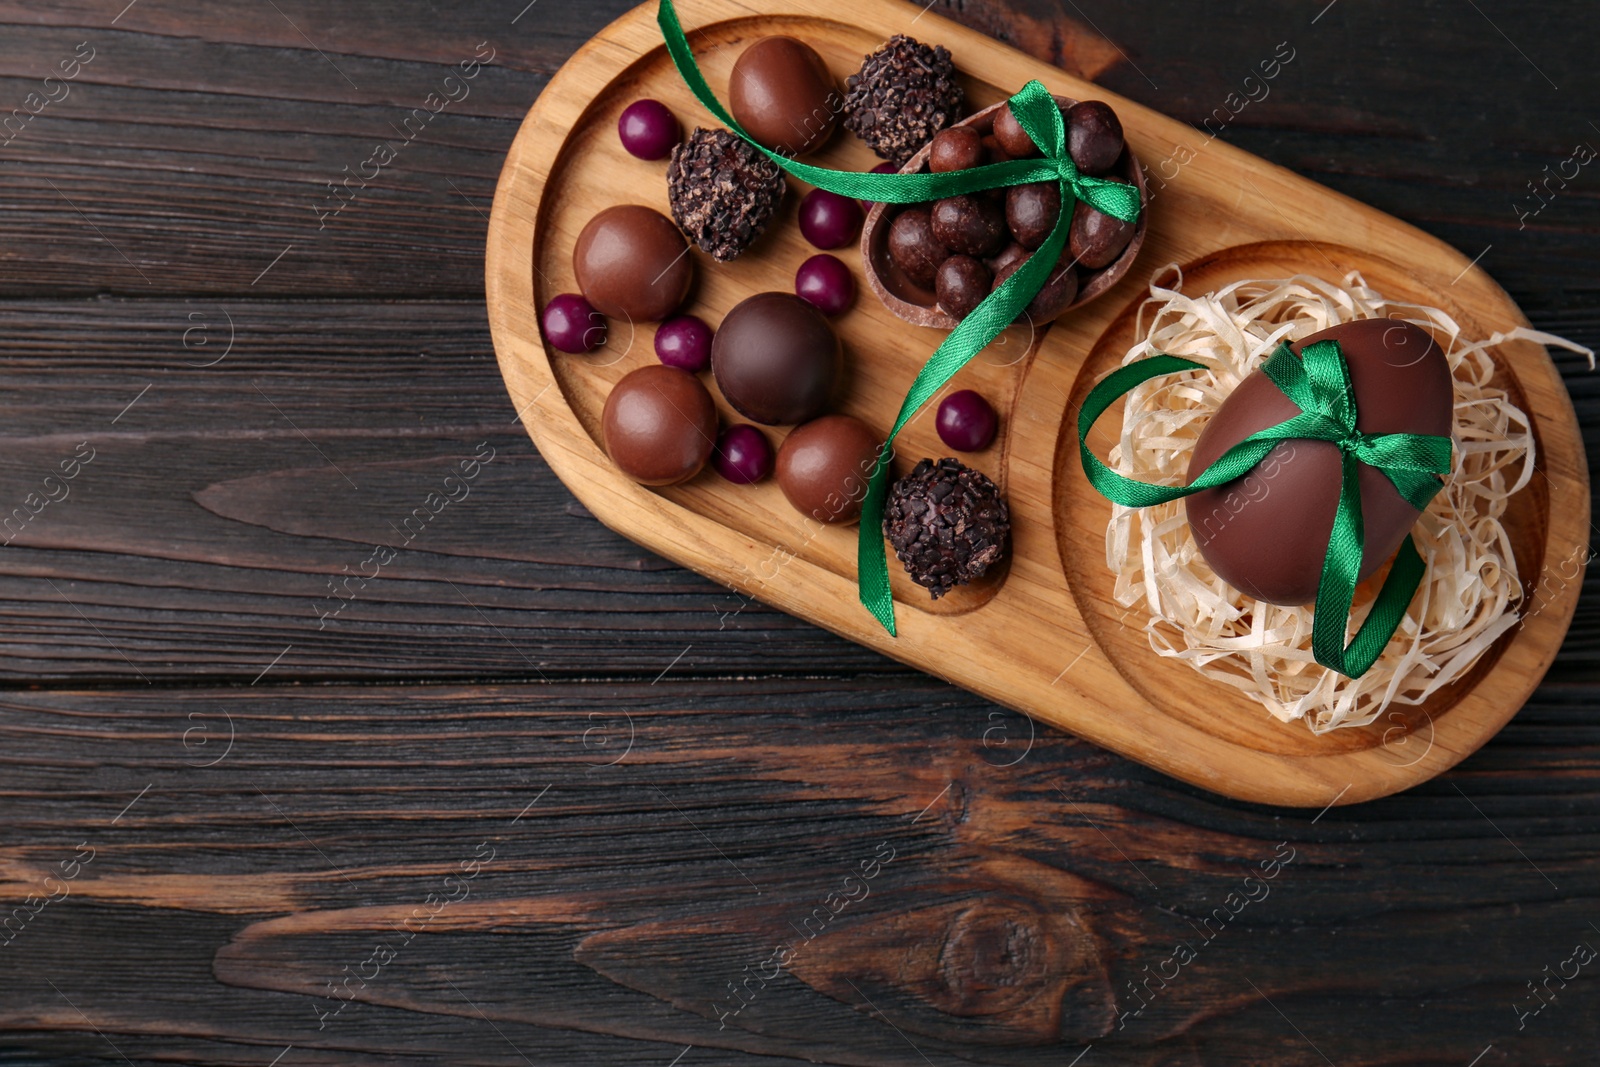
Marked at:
<point>906,277</point>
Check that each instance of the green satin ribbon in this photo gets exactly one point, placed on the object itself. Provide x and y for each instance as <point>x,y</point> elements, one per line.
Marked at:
<point>1039,115</point>
<point>1318,383</point>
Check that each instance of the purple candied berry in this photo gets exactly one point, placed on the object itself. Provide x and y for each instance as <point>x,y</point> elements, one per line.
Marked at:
<point>966,422</point>
<point>571,324</point>
<point>648,130</point>
<point>881,168</point>
<point>684,341</point>
<point>829,220</point>
<point>743,454</point>
<point>826,283</point>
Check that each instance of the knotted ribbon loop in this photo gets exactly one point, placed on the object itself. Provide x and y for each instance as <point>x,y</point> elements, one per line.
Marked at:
<point>1038,113</point>
<point>1318,383</point>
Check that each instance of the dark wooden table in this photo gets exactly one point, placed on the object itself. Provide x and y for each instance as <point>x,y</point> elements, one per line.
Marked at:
<point>532,795</point>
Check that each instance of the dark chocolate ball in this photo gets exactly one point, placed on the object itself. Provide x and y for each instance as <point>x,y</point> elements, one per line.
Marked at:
<point>632,263</point>
<point>776,359</point>
<point>1265,533</point>
<point>784,96</point>
<point>824,467</point>
<point>914,248</point>
<point>1010,257</point>
<point>968,224</point>
<point>1031,212</point>
<point>961,284</point>
<point>1097,239</point>
<point>1012,137</point>
<point>994,151</point>
<point>659,425</point>
<point>1058,291</point>
<point>956,148</point>
<point>1094,136</point>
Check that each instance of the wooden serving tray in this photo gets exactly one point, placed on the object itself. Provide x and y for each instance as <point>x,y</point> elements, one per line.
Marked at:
<point>1044,636</point>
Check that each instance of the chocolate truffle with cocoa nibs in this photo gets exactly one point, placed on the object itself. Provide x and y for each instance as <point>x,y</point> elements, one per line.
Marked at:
<point>904,93</point>
<point>723,191</point>
<point>947,524</point>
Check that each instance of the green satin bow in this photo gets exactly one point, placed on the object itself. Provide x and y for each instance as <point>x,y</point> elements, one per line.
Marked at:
<point>1318,382</point>
<point>1039,115</point>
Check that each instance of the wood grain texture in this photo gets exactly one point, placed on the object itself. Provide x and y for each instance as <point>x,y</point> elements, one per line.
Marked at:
<point>1033,638</point>
<point>1404,932</point>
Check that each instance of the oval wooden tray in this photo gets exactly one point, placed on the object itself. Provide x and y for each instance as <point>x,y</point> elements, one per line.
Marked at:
<point>1044,636</point>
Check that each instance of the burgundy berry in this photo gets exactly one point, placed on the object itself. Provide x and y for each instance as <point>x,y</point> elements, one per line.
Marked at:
<point>571,324</point>
<point>826,283</point>
<point>648,130</point>
<point>966,422</point>
<point>829,220</point>
<point>881,168</point>
<point>743,455</point>
<point>684,341</point>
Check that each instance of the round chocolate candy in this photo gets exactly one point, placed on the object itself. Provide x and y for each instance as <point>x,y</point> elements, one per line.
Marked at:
<point>1010,258</point>
<point>1058,291</point>
<point>1012,137</point>
<point>1031,212</point>
<point>784,96</point>
<point>659,424</point>
<point>776,359</point>
<point>824,467</point>
<point>972,225</point>
<point>1094,136</point>
<point>1097,239</point>
<point>914,248</point>
<point>956,148</point>
<point>632,263</point>
<point>961,284</point>
<point>1266,532</point>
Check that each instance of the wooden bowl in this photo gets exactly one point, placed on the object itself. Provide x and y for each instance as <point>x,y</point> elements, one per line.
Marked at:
<point>917,305</point>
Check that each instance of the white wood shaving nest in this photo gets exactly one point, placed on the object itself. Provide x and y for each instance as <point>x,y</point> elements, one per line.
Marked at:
<point>1471,593</point>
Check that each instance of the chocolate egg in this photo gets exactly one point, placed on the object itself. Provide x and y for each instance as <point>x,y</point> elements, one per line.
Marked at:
<point>632,263</point>
<point>824,467</point>
<point>1266,532</point>
<point>659,425</point>
<point>783,95</point>
<point>776,359</point>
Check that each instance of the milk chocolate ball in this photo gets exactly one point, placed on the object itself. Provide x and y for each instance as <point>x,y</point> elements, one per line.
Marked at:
<point>824,467</point>
<point>1266,532</point>
<point>659,425</point>
<point>783,95</point>
<point>633,264</point>
<point>776,359</point>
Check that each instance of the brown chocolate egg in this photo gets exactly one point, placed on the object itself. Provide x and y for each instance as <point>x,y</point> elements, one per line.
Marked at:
<point>1266,532</point>
<point>824,467</point>
<point>633,264</point>
<point>776,359</point>
<point>659,425</point>
<point>784,96</point>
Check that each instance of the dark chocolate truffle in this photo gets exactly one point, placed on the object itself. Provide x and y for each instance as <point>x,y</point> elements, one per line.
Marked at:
<point>914,248</point>
<point>957,148</point>
<point>659,425</point>
<point>946,523</point>
<point>971,224</point>
<point>633,264</point>
<point>1266,532</point>
<point>904,93</point>
<point>825,465</point>
<point>723,191</point>
<point>775,358</point>
<point>1032,211</point>
<point>1097,239</point>
<point>961,285</point>
<point>1011,136</point>
<point>1094,136</point>
<point>783,96</point>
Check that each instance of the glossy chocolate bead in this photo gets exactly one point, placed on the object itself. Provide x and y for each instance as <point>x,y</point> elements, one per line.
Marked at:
<point>776,359</point>
<point>1094,136</point>
<point>962,283</point>
<point>969,225</point>
<point>824,466</point>
<point>648,130</point>
<point>825,282</point>
<point>784,96</point>
<point>1012,137</point>
<point>743,455</point>
<point>1031,212</point>
<point>1266,532</point>
<point>956,148</point>
<point>571,324</point>
<point>1097,239</point>
<point>684,341</point>
<point>829,220</point>
<point>966,421</point>
<point>914,248</point>
<point>659,425</point>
